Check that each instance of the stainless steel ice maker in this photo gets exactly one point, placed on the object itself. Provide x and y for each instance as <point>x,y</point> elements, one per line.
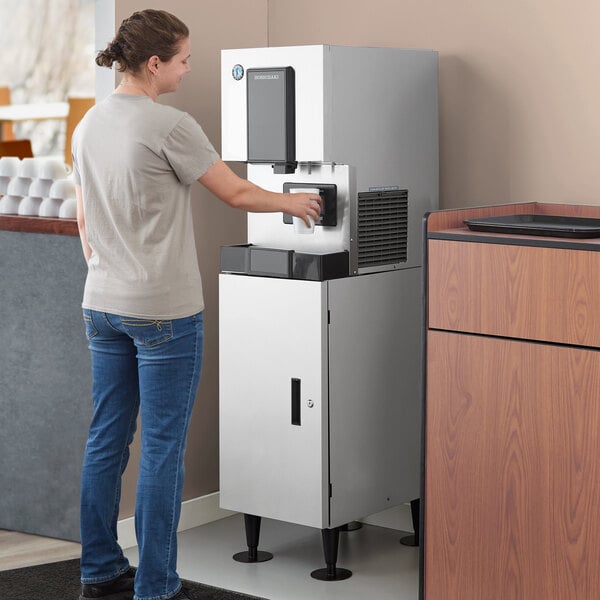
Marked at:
<point>320,334</point>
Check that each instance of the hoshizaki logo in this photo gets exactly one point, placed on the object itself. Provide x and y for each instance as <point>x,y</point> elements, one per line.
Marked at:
<point>237,72</point>
<point>269,76</point>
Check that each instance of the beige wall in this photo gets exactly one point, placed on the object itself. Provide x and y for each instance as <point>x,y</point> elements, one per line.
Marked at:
<point>519,101</point>
<point>519,86</point>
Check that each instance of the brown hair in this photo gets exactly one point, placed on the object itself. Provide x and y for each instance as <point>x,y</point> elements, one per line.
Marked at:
<point>144,34</point>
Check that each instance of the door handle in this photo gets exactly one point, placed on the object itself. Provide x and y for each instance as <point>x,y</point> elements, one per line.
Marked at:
<point>296,401</point>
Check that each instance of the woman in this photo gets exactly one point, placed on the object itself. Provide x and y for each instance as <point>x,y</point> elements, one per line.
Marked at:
<point>134,163</point>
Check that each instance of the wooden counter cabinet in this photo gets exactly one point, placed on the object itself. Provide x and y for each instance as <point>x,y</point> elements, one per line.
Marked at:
<point>511,503</point>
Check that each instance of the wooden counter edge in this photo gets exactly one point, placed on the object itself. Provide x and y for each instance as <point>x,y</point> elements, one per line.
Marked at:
<point>38,225</point>
<point>453,218</point>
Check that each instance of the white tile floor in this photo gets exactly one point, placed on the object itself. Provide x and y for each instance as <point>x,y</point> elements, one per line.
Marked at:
<point>382,567</point>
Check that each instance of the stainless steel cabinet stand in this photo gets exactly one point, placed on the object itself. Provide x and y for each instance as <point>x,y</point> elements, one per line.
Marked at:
<point>319,399</point>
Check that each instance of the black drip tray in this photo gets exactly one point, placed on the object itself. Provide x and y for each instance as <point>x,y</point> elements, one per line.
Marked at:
<point>248,259</point>
<point>548,225</point>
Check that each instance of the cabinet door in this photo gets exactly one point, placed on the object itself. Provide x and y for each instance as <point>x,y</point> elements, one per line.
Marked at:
<point>512,493</point>
<point>273,398</point>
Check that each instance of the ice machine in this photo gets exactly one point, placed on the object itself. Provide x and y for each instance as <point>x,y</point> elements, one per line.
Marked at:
<point>320,333</point>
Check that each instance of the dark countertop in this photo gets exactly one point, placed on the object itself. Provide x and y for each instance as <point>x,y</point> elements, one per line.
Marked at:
<point>38,225</point>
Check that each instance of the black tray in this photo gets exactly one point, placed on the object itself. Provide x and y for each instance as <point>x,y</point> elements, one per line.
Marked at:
<point>247,259</point>
<point>549,225</point>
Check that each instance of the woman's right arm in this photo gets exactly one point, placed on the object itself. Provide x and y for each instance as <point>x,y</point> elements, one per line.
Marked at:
<point>243,194</point>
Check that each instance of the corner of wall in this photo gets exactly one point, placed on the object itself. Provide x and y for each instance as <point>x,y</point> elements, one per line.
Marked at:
<point>105,31</point>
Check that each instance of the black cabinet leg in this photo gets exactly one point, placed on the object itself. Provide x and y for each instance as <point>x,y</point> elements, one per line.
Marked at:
<point>252,555</point>
<point>415,509</point>
<point>331,538</point>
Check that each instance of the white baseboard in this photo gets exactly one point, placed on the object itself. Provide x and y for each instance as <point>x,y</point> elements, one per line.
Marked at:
<point>194,512</point>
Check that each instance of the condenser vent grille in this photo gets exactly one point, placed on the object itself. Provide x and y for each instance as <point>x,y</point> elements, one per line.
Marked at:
<point>382,228</point>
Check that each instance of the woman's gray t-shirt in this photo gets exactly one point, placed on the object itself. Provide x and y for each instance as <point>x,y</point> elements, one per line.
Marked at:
<point>135,160</point>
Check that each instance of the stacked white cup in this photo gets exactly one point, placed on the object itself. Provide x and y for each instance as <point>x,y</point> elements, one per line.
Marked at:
<point>64,189</point>
<point>9,168</point>
<point>28,172</point>
<point>17,189</point>
<point>18,186</point>
<point>52,172</point>
<point>36,187</point>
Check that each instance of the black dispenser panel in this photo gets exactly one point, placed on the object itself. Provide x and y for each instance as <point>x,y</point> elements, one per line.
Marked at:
<point>271,97</point>
<point>328,192</point>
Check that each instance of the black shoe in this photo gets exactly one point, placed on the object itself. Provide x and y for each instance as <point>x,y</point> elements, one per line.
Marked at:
<point>120,588</point>
<point>181,595</point>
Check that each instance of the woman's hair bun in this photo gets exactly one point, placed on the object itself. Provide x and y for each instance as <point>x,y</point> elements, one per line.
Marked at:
<point>110,55</point>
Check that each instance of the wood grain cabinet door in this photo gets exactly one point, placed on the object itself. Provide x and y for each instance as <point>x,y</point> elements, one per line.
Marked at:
<point>512,502</point>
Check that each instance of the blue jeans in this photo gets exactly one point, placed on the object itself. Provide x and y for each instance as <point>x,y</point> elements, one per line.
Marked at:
<point>151,367</point>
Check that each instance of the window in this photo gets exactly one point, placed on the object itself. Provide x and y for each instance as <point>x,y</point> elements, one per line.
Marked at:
<point>47,55</point>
